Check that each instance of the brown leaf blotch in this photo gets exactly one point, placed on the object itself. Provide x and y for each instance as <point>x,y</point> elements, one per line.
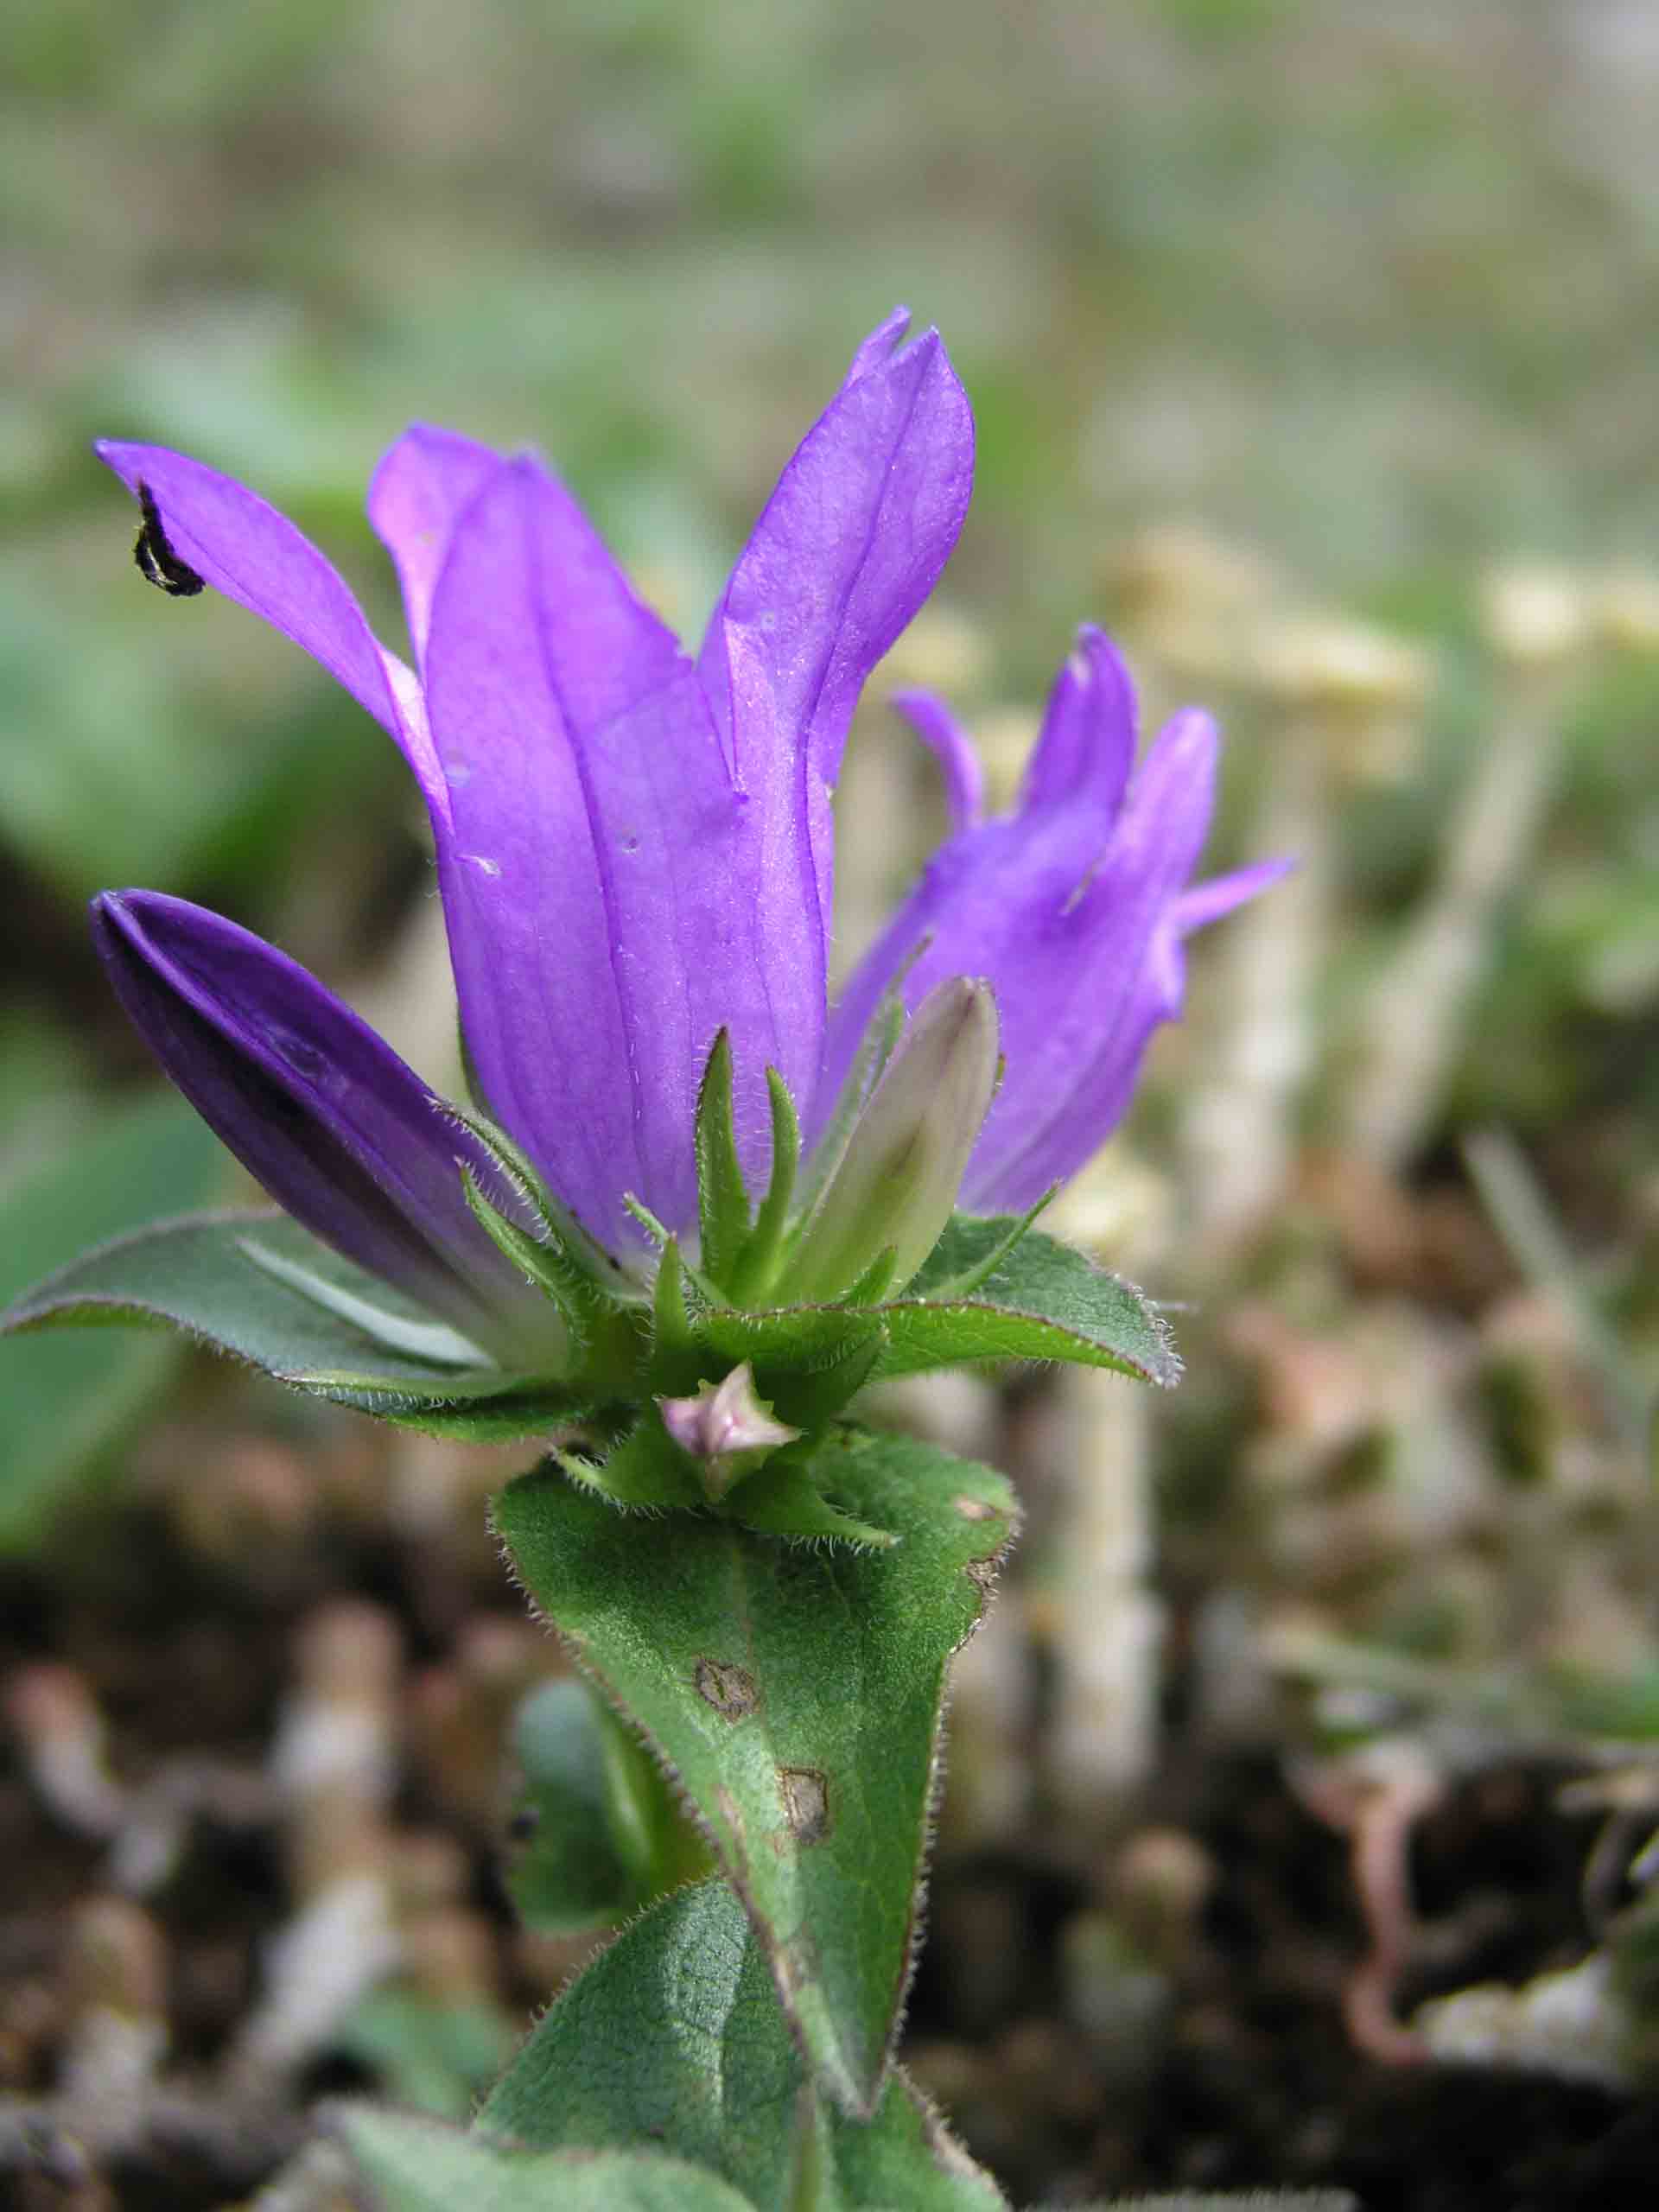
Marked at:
<point>731,1690</point>
<point>981,1573</point>
<point>806,1802</point>
<point>974,1509</point>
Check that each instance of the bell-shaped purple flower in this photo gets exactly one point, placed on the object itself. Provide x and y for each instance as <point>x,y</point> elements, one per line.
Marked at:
<point>634,851</point>
<point>633,847</point>
<point>1073,908</point>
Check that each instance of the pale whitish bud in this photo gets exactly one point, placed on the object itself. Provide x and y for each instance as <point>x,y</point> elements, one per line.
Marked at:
<point>727,1426</point>
<point>1338,666</point>
<point>1534,614</point>
<point>896,1187</point>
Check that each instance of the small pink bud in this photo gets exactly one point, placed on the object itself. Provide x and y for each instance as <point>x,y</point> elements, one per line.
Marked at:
<point>726,1426</point>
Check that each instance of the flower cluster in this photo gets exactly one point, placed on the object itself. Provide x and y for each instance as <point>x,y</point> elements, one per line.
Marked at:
<point>634,849</point>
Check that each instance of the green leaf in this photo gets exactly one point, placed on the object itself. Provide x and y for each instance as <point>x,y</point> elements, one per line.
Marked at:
<point>236,1279</point>
<point>604,1834</point>
<point>795,1693</point>
<point>1041,1300</point>
<point>435,2054</point>
<point>419,2166</point>
<point>568,1874</point>
<point>65,1402</point>
<point>1030,1297</point>
<point>431,1343</point>
<point>674,2034</point>
<point>991,1258</point>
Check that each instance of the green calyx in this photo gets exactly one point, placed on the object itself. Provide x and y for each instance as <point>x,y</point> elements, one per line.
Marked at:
<point>724,1387</point>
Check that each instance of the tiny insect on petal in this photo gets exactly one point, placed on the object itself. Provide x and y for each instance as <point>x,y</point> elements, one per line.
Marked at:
<point>157,561</point>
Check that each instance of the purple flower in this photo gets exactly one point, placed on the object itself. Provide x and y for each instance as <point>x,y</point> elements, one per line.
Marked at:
<point>1073,908</point>
<point>634,848</point>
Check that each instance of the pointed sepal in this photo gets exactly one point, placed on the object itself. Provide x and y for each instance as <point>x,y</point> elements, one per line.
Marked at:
<point>757,1264</point>
<point>723,1197</point>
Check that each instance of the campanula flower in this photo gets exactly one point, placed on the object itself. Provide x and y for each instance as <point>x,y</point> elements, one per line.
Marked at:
<point>635,855</point>
<point>1073,908</point>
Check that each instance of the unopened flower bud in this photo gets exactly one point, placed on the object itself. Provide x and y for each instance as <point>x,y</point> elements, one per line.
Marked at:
<point>1332,664</point>
<point>1534,614</point>
<point>897,1185</point>
<point>727,1427</point>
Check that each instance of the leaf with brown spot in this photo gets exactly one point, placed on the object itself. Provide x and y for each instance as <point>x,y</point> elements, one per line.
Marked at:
<point>729,1689</point>
<point>847,1653</point>
<point>806,1802</point>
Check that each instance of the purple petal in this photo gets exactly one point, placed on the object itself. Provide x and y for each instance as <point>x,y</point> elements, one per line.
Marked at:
<point>873,350</point>
<point>1072,1136</point>
<point>415,497</point>
<point>1086,748</point>
<point>987,897</point>
<point>1073,909</point>
<point>1072,990</point>
<point>1105,1086</point>
<point>1208,902</point>
<point>239,545</point>
<point>849,545</point>
<point>608,901</point>
<point>319,1108</point>
<point>952,747</point>
<point>1061,1140</point>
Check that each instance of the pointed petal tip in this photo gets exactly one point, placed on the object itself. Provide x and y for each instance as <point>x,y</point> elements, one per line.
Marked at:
<point>1191,728</point>
<point>1223,895</point>
<point>893,340</point>
<point>1186,750</point>
<point>879,345</point>
<point>121,912</point>
<point>127,460</point>
<point>1101,655</point>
